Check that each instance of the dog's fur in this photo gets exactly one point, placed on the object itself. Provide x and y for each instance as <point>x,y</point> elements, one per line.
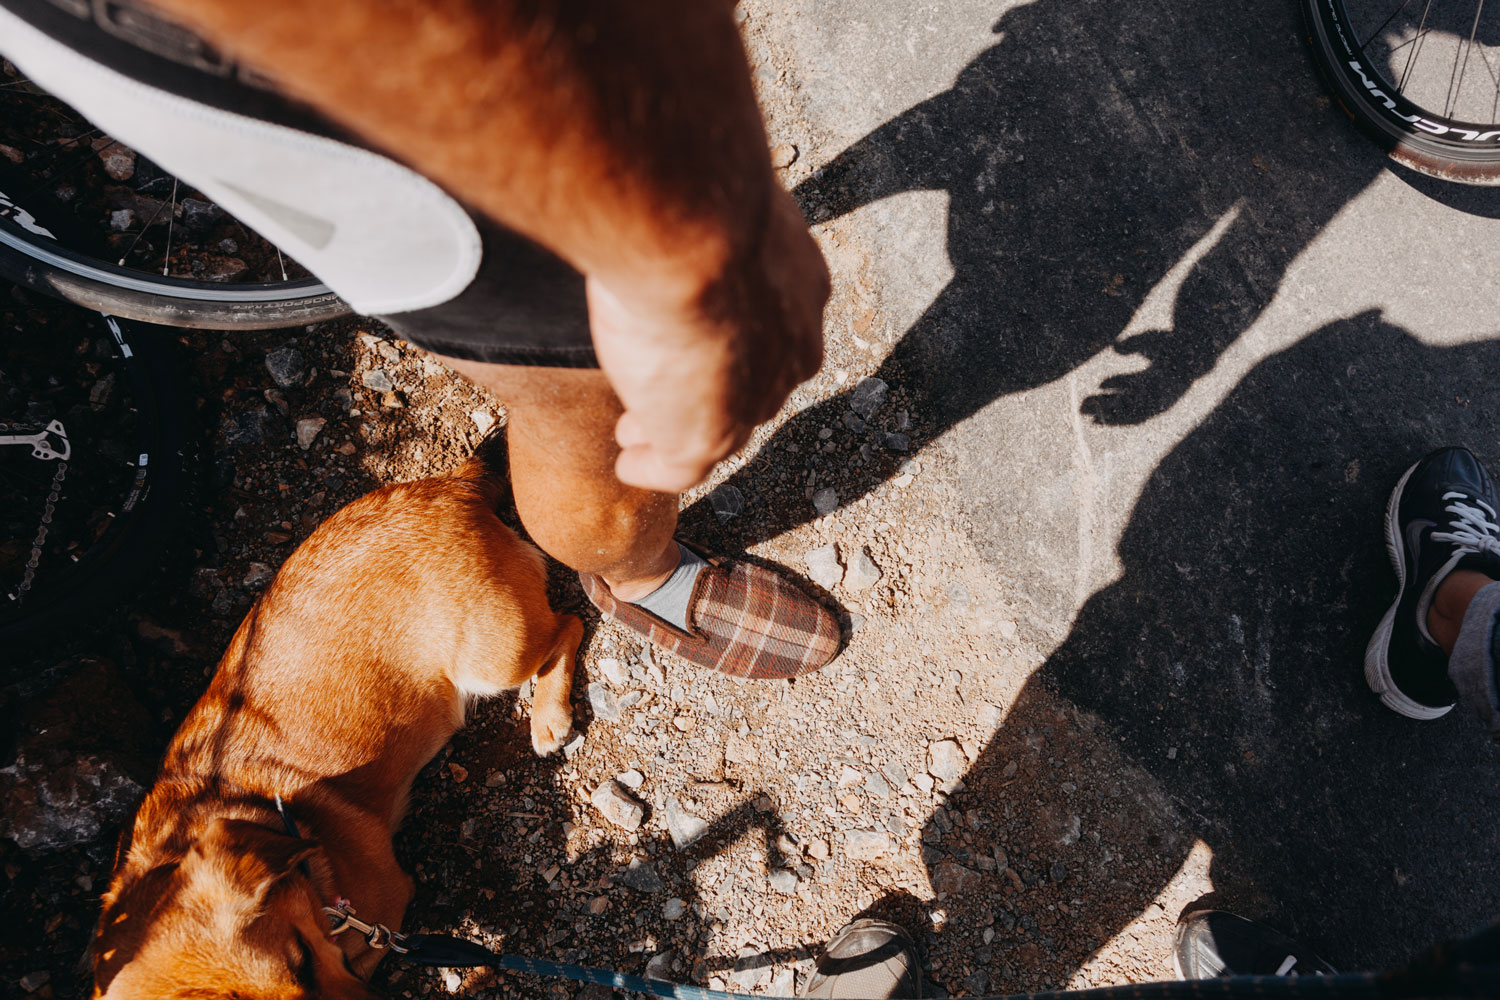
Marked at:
<point>349,673</point>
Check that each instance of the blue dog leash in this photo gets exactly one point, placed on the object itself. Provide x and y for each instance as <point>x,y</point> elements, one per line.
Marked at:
<point>1466,969</point>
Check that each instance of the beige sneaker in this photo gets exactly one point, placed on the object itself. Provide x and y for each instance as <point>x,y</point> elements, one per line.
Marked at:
<point>868,960</point>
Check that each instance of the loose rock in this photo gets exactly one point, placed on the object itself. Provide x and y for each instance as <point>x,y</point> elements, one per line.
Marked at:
<point>727,502</point>
<point>867,396</point>
<point>784,155</point>
<point>685,828</point>
<point>946,761</point>
<point>673,908</point>
<point>826,500</point>
<point>50,806</point>
<point>483,419</point>
<point>617,806</point>
<point>613,670</point>
<point>377,380</point>
<point>867,845</point>
<point>956,881</point>
<point>119,161</point>
<point>642,878</point>
<point>278,399</point>
<point>308,429</point>
<point>603,703</point>
<point>862,572</point>
<point>823,566</point>
<point>286,366</point>
<point>660,966</point>
<point>33,981</point>
<point>199,216</point>
<point>783,882</point>
<point>258,576</point>
<point>751,971</point>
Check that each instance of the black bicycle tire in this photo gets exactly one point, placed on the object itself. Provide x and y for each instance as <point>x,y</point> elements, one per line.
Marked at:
<point>159,300</point>
<point>1450,149</point>
<point>130,551</point>
<point>56,268</point>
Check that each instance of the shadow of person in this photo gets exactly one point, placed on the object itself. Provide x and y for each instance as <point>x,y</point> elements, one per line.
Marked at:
<point>1226,663</point>
<point>1083,155</point>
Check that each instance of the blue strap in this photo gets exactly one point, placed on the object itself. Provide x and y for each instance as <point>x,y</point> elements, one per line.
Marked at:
<point>431,949</point>
<point>1469,968</point>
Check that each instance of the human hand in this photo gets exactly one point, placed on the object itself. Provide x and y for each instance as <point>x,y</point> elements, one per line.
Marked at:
<point>695,378</point>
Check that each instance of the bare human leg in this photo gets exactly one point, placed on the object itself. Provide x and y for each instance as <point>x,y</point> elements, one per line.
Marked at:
<point>562,468</point>
<point>1451,603</point>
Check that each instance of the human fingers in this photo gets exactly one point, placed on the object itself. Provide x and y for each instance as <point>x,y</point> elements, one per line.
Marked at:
<point>669,463</point>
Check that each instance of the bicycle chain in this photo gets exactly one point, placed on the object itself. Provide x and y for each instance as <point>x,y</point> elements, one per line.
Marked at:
<point>48,509</point>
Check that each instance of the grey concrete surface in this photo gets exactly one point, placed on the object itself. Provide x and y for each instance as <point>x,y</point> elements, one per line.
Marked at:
<point>1173,328</point>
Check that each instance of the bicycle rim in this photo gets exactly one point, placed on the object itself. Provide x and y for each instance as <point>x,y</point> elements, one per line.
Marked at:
<point>1421,76</point>
<point>125,242</point>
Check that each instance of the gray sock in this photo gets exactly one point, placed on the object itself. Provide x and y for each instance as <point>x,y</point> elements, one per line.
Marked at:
<point>670,600</point>
<point>1472,667</point>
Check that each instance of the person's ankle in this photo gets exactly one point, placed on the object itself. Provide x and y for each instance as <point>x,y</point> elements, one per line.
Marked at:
<point>1451,602</point>
<point>647,579</point>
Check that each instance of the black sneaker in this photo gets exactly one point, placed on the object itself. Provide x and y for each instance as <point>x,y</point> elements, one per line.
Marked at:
<point>1212,943</point>
<point>1441,518</point>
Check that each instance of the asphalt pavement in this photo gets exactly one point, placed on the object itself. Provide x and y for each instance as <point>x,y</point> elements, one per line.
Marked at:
<point>1173,328</point>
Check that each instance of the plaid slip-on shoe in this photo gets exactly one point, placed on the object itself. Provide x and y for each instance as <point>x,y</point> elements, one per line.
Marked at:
<point>746,621</point>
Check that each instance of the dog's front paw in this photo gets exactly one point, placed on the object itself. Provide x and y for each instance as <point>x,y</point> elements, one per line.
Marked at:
<point>549,731</point>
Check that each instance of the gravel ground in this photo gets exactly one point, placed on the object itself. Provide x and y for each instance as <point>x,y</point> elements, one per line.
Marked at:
<point>919,777</point>
<point>995,822</point>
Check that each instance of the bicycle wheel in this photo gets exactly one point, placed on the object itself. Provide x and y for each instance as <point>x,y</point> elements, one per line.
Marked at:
<point>84,219</point>
<point>1420,76</point>
<point>91,466</point>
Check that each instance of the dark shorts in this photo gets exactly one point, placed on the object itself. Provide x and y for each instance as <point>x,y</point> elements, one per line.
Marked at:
<point>523,305</point>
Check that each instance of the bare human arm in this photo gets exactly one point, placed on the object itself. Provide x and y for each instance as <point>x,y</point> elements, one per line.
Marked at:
<point>623,136</point>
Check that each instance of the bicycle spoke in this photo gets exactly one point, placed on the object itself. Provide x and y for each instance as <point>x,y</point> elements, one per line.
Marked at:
<point>1411,56</point>
<point>1456,78</point>
<point>52,174</point>
<point>1367,41</point>
<point>149,223</point>
<point>166,260</point>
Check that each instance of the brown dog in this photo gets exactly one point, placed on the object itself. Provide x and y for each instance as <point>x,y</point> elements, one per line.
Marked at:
<point>350,672</point>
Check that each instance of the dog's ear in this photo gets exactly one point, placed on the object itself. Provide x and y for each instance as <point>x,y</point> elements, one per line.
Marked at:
<point>246,858</point>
